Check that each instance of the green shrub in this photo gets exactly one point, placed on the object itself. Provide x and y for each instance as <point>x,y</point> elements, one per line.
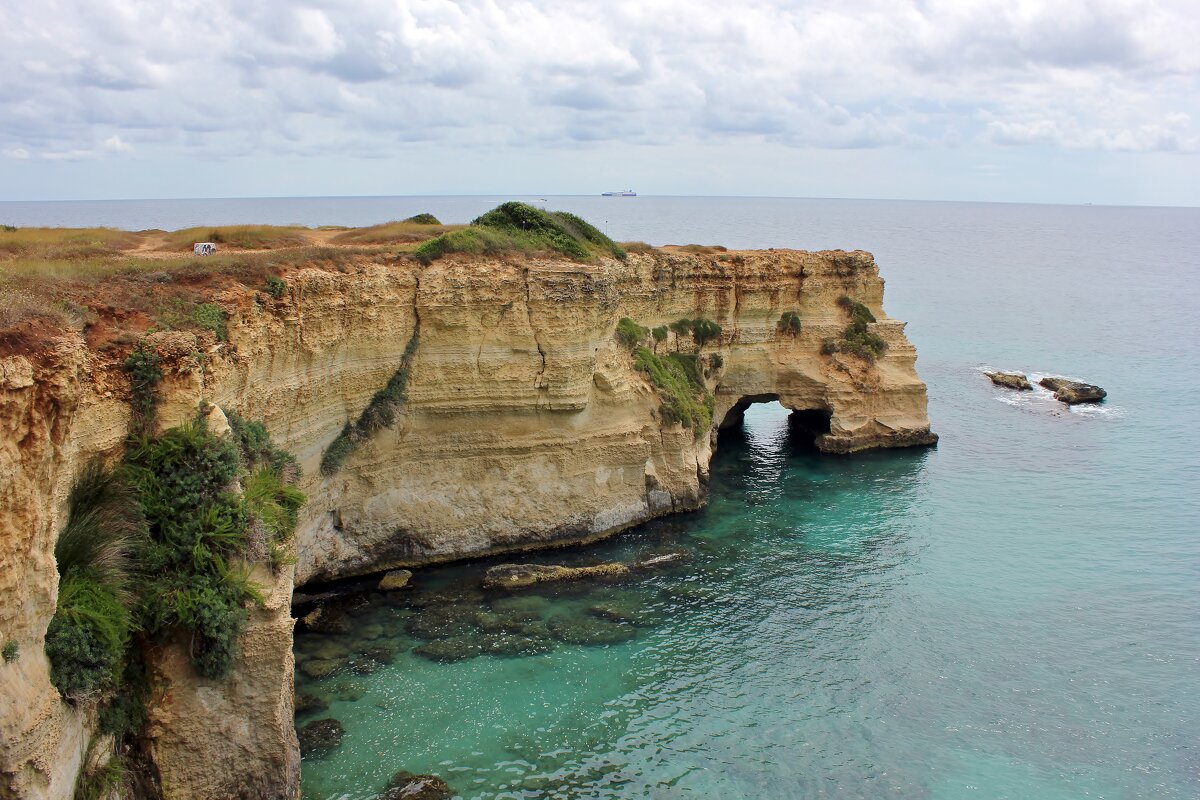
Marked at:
<point>704,331</point>
<point>144,370</point>
<point>857,339</point>
<point>629,333</point>
<point>681,327</point>
<point>210,317</point>
<point>276,286</point>
<point>11,651</point>
<point>338,450</point>
<point>87,636</point>
<point>660,333</point>
<point>685,397</point>
<point>716,361</point>
<point>520,228</point>
<point>272,501</point>
<point>423,219</point>
<point>789,323</point>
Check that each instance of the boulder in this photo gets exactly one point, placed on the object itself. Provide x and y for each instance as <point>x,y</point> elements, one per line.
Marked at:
<point>309,703</point>
<point>396,579</point>
<point>406,786</point>
<point>1073,392</point>
<point>520,576</point>
<point>320,737</point>
<point>1010,380</point>
<point>319,668</point>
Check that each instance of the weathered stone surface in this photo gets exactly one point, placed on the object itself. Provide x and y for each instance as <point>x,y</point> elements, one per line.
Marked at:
<point>519,576</point>
<point>1010,380</point>
<point>1073,392</point>
<point>396,579</point>
<point>526,425</point>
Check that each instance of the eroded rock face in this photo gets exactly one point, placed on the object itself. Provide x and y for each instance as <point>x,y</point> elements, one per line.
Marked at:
<point>1073,392</point>
<point>1010,380</point>
<point>525,425</point>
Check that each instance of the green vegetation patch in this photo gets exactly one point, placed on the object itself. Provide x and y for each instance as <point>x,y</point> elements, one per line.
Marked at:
<point>789,323</point>
<point>857,339</point>
<point>11,651</point>
<point>701,330</point>
<point>520,228</point>
<point>680,384</point>
<point>629,333</point>
<point>423,219</point>
<point>380,413</point>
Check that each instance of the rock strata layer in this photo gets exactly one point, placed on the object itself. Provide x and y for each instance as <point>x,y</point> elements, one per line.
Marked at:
<point>524,424</point>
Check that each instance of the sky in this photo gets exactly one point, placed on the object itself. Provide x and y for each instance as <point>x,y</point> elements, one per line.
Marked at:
<point>1060,101</point>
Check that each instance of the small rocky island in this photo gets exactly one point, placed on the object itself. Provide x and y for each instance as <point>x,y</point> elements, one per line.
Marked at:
<point>1065,390</point>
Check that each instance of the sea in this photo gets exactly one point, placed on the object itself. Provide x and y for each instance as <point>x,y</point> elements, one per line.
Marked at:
<point>1012,614</point>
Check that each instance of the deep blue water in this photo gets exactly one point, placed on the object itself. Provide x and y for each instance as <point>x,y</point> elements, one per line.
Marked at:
<point>1015,614</point>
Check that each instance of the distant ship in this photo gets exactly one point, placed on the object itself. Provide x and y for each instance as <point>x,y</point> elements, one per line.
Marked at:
<point>626,193</point>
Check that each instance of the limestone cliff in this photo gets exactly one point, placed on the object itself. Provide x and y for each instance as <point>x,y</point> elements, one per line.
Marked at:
<point>525,425</point>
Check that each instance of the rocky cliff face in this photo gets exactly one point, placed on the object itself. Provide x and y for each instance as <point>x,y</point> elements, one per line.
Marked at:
<point>525,425</point>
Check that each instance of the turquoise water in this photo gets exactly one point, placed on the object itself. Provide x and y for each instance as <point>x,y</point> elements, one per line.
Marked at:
<point>1012,615</point>
<point>1015,614</point>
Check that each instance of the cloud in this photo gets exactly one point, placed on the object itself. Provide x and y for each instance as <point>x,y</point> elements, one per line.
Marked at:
<point>105,78</point>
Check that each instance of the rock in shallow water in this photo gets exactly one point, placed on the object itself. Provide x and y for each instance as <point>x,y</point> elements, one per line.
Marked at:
<point>519,576</point>
<point>309,703</point>
<point>320,737</point>
<point>1073,392</point>
<point>1010,380</point>
<point>406,786</point>
<point>396,579</point>
<point>589,630</point>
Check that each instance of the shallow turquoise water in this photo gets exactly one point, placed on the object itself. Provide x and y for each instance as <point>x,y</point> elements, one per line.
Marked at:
<point>1015,614</point>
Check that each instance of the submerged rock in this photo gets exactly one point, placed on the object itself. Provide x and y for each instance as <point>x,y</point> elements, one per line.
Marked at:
<point>309,703</point>
<point>448,650</point>
<point>519,576</point>
<point>318,668</point>
<point>443,622</point>
<point>1010,380</point>
<point>1073,392</point>
<point>396,579</point>
<point>406,786</point>
<point>589,630</point>
<point>326,620</point>
<point>617,612</point>
<point>320,737</point>
<point>665,558</point>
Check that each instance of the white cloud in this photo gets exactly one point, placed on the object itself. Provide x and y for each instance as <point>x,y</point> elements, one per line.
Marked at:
<point>91,77</point>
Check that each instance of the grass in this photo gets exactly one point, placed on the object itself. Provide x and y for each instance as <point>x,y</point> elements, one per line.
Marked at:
<point>519,228</point>
<point>680,385</point>
<point>380,412</point>
<point>58,244</point>
<point>629,333</point>
<point>243,237</point>
<point>411,230</point>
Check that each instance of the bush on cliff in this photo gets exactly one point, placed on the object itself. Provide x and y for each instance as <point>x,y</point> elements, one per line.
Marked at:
<point>423,219</point>
<point>92,624</point>
<point>681,388</point>
<point>857,339</point>
<point>629,333</point>
<point>789,323</point>
<point>520,228</point>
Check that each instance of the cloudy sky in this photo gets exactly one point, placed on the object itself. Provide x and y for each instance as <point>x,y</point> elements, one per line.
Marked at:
<point>1023,100</point>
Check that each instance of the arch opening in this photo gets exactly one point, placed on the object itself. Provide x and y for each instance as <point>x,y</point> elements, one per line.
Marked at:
<point>804,426</point>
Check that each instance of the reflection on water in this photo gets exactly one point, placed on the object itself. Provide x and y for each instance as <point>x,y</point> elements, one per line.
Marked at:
<point>693,677</point>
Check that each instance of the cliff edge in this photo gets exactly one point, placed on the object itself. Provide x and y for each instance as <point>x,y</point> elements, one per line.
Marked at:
<point>512,417</point>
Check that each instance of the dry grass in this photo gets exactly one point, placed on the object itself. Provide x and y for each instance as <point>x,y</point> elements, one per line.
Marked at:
<point>392,233</point>
<point>21,305</point>
<point>637,247</point>
<point>243,237</point>
<point>64,243</point>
